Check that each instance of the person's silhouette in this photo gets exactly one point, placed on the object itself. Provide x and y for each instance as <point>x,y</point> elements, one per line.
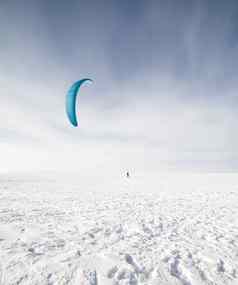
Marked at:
<point>127,174</point>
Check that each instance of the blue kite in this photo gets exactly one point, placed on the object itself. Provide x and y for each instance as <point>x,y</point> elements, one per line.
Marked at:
<point>71,101</point>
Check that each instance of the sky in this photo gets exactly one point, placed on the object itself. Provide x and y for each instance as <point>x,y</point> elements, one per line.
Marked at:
<point>164,95</point>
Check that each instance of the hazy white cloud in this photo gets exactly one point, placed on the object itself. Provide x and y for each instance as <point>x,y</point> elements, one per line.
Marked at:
<point>164,91</point>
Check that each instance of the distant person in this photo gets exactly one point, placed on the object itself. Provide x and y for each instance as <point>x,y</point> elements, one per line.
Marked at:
<point>127,174</point>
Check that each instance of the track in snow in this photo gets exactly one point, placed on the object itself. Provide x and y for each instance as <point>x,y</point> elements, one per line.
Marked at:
<point>52,233</point>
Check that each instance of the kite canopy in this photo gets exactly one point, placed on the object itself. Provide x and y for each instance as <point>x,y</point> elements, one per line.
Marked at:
<point>71,101</point>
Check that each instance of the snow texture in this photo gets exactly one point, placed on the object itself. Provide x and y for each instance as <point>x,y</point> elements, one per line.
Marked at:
<point>124,231</point>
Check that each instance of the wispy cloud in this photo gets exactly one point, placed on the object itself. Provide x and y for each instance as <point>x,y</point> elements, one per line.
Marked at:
<point>164,91</point>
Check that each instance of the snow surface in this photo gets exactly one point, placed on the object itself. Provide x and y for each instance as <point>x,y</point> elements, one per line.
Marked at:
<point>154,229</point>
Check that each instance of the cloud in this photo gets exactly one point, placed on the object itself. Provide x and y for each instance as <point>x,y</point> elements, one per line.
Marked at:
<point>164,92</point>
